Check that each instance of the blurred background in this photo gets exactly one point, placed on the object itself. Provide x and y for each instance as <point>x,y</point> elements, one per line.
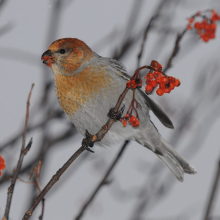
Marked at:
<point>140,187</point>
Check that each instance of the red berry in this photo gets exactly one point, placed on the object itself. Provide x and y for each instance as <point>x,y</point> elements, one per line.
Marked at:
<point>167,90</point>
<point>2,166</point>
<point>157,75</point>
<point>213,25</point>
<point>154,64</point>
<point>197,25</point>
<point>128,84</point>
<point>124,123</point>
<point>149,88</point>
<point>164,79</point>
<point>171,79</point>
<point>136,123</point>
<point>177,82</point>
<point>160,92</point>
<point>159,67</point>
<point>154,83</point>
<point>126,117</point>
<point>148,82</point>
<point>132,119</point>
<point>133,84</point>
<point>172,86</point>
<point>162,85</point>
<point>150,75</point>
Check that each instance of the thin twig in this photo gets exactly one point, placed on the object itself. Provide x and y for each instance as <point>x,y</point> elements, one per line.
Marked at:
<point>20,161</point>
<point>53,180</point>
<point>143,41</point>
<point>213,192</point>
<point>26,121</point>
<point>175,50</point>
<point>103,181</point>
<point>42,210</point>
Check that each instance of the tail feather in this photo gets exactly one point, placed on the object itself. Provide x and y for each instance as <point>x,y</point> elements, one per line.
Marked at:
<point>175,162</point>
<point>173,165</point>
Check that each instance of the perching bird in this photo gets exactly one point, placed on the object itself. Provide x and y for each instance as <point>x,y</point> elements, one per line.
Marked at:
<point>88,86</point>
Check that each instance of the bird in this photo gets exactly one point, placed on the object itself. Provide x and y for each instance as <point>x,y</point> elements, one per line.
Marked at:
<point>88,85</point>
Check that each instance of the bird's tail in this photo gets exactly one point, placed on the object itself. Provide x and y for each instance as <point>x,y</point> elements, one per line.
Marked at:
<point>175,162</point>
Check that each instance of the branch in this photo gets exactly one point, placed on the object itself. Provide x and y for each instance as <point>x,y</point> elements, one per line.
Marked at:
<point>93,139</point>
<point>53,180</point>
<point>42,211</point>
<point>175,50</point>
<point>20,161</point>
<point>102,182</point>
<point>213,192</point>
<point>143,41</point>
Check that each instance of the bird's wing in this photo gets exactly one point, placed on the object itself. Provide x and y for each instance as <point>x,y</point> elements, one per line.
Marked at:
<point>152,104</point>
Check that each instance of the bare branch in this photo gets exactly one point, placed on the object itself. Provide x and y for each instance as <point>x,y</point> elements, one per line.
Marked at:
<point>53,180</point>
<point>42,210</point>
<point>143,41</point>
<point>175,50</point>
<point>103,181</point>
<point>20,161</point>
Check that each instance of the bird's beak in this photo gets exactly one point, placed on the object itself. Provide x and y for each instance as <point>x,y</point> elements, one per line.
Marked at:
<point>48,58</point>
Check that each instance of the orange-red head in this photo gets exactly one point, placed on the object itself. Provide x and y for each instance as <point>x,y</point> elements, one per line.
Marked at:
<point>67,55</point>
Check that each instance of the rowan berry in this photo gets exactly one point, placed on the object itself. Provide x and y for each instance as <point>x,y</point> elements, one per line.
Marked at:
<point>177,82</point>
<point>150,75</point>
<point>133,84</point>
<point>160,91</point>
<point>167,90</point>
<point>124,123</point>
<point>157,75</point>
<point>172,86</point>
<point>162,85</point>
<point>2,164</point>
<point>135,123</point>
<point>154,83</point>
<point>164,79</point>
<point>149,88</point>
<point>132,119</point>
<point>126,117</point>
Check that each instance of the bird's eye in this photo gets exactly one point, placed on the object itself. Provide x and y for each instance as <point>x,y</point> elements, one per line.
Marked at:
<point>62,51</point>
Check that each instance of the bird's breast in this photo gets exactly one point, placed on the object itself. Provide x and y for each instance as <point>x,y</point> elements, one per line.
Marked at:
<point>76,91</point>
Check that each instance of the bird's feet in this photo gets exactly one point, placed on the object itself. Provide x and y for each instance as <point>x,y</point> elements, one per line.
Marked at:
<point>116,115</point>
<point>87,142</point>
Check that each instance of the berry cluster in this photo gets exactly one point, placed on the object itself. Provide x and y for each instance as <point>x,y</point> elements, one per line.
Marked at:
<point>206,29</point>
<point>133,83</point>
<point>155,78</point>
<point>2,164</point>
<point>134,121</point>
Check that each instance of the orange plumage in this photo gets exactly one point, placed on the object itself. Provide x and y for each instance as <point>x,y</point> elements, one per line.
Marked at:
<point>75,90</point>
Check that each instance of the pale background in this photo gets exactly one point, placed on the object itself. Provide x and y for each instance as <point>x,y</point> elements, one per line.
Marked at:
<point>21,47</point>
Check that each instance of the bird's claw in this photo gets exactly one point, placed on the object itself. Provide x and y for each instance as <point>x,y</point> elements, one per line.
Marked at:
<point>86,142</point>
<point>116,115</point>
